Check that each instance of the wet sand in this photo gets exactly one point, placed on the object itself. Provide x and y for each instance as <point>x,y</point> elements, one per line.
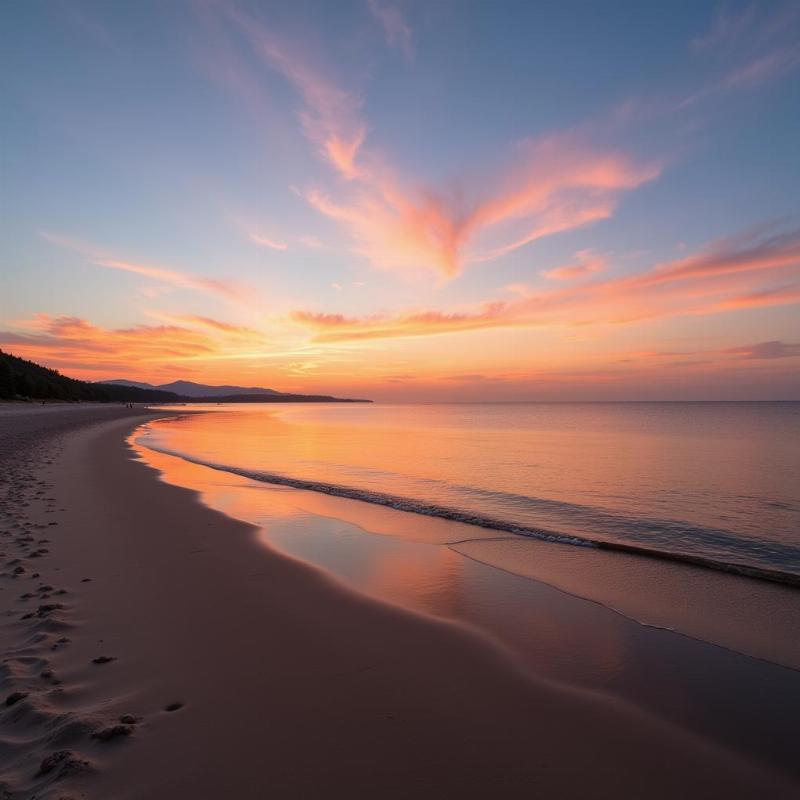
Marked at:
<point>185,659</point>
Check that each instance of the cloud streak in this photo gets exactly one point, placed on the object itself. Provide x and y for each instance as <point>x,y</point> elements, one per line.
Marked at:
<point>730,275</point>
<point>748,49</point>
<point>330,116</point>
<point>172,277</point>
<point>265,241</point>
<point>226,289</point>
<point>397,31</point>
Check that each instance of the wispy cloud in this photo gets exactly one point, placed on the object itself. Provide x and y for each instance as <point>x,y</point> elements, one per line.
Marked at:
<point>96,255</point>
<point>734,255</point>
<point>748,48</point>
<point>727,28</point>
<point>730,275</point>
<point>208,285</point>
<point>396,29</point>
<point>765,350</point>
<point>265,241</point>
<point>330,115</point>
<point>205,323</point>
<point>89,24</point>
<point>759,351</point>
<point>586,263</point>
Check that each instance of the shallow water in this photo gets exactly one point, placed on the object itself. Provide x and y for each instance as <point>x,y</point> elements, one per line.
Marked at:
<point>710,481</point>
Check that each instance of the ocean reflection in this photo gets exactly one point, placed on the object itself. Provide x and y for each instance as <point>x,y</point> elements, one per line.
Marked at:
<point>715,481</point>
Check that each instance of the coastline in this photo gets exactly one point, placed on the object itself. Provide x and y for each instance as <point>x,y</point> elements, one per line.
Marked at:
<point>277,666</point>
<point>719,605</point>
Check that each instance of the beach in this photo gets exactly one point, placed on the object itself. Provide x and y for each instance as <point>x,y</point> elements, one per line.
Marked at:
<point>158,648</point>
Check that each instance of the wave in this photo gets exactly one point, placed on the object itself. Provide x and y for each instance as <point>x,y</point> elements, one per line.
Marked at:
<point>416,506</point>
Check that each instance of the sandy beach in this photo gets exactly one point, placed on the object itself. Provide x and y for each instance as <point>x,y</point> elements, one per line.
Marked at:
<point>155,648</point>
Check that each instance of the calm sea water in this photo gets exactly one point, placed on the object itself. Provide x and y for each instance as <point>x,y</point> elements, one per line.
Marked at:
<point>715,481</point>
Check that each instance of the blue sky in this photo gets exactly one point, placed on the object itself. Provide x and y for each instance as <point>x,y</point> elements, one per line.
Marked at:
<point>368,178</point>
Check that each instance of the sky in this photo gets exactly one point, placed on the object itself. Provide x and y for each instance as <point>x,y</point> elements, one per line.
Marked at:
<point>406,200</point>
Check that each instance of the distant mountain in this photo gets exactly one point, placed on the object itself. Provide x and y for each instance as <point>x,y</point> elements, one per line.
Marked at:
<point>135,384</point>
<point>190,389</point>
<point>25,380</point>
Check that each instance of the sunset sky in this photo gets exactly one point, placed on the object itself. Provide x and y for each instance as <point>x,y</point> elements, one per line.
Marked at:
<point>405,200</point>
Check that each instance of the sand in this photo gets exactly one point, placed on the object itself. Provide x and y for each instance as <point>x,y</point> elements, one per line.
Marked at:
<point>184,659</point>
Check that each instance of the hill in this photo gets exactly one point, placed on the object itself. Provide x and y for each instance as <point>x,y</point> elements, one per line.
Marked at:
<point>191,389</point>
<point>21,379</point>
<point>25,380</point>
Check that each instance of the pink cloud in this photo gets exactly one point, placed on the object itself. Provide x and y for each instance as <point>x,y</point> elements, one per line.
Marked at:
<point>330,116</point>
<point>552,185</point>
<point>779,250</point>
<point>729,276</point>
<point>265,241</point>
<point>586,263</point>
<point>396,29</point>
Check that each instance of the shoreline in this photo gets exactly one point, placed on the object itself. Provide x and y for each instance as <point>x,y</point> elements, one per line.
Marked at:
<point>738,612</point>
<point>278,667</point>
<point>410,505</point>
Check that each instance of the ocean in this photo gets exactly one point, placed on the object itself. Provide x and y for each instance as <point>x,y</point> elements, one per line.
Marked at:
<point>710,482</point>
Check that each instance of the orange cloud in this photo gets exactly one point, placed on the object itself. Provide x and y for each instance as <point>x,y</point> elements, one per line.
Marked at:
<point>778,296</point>
<point>705,284</point>
<point>90,351</point>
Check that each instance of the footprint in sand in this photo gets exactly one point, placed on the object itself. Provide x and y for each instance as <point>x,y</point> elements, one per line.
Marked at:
<point>15,698</point>
<point>65,761</point>
<point>113,732</point>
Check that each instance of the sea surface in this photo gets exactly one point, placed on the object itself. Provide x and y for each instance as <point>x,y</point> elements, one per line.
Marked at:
<point>714,483</point>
